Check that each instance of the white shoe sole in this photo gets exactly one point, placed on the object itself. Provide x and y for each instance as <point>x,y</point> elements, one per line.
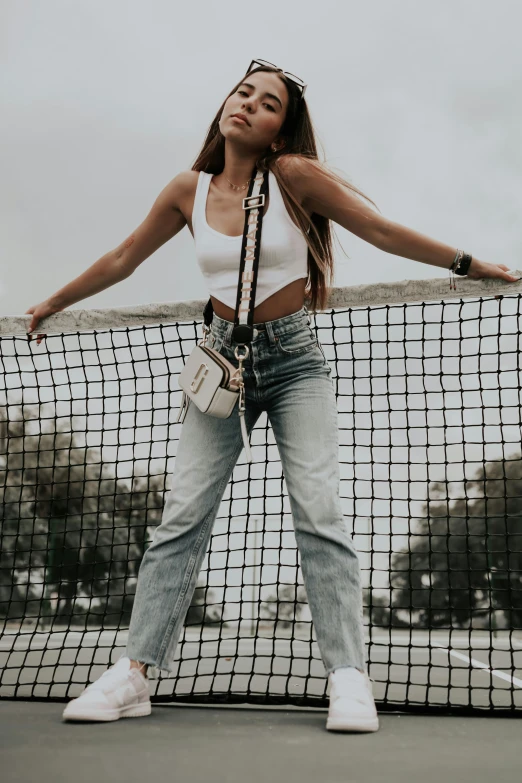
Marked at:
<point>131,711</point>
<point>353,724</point>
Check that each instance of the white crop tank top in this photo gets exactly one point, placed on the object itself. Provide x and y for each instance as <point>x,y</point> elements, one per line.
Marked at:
<point>283,256</point>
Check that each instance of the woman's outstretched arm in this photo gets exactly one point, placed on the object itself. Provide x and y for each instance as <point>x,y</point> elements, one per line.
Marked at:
<point>326,197</point>
<point>164,220</point>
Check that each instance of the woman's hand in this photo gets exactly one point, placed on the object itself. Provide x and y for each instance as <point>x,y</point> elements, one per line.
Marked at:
<point>478,270</point>
<point>38,312</point>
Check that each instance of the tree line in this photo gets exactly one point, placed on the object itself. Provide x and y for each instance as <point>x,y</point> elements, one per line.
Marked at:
<point>73,534</point>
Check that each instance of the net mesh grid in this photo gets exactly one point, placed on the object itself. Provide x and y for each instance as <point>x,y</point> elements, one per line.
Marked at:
<point>428,397</point>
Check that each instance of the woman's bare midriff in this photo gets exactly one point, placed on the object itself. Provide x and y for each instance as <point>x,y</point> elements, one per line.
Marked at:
<point>288,300</point>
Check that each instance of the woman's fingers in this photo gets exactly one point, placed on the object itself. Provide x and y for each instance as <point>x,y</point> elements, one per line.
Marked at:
<point>480,270</point>
<point>509,275</point>
<point>39,338</point>
<point>32,326</point>
<point>39,312</point>
<point>32,323</point>
<point>34,320</point>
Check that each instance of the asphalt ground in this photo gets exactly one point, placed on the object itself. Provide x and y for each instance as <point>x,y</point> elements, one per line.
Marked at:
<point>225,745</point>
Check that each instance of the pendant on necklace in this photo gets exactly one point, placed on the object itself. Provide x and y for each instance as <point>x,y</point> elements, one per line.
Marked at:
<point>236,187</point>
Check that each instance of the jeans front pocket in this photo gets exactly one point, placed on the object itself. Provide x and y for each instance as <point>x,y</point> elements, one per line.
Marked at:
<point>215,341</point>
<point>299,341</point>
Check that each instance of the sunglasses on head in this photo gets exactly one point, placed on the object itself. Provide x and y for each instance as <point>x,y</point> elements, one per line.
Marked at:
<point>293,78</point>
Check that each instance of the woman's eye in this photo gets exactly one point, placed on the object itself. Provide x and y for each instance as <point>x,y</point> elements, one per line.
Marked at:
<point>242,92</point>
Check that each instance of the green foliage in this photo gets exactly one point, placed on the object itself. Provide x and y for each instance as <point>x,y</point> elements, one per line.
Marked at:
<point>72,534</point>
<point>464,559</point>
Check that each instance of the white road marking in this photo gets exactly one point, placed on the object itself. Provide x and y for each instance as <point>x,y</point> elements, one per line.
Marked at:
<point>480,665</point>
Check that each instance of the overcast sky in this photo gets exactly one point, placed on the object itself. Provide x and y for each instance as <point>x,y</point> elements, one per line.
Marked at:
<point>104,102</point>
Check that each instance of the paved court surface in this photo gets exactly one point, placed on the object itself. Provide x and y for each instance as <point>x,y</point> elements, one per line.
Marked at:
<point>225,745</point>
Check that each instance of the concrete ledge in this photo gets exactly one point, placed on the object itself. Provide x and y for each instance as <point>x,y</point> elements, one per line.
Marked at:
<point>367,295</point>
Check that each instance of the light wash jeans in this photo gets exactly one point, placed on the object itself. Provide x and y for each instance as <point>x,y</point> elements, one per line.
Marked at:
<point>286,375</point>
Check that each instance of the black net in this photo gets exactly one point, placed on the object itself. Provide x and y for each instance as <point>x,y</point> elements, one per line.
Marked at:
<point>429,401</point>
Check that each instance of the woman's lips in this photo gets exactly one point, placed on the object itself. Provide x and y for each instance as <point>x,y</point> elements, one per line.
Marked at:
<point>238,119</point>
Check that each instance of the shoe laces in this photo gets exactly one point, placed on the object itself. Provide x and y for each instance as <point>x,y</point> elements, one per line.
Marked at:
<point>99,683</point>
<point>353,687</point>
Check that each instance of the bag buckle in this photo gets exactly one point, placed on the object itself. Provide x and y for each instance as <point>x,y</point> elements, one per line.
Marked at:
<point>260,198</point>
<point>183,408</point>
<point>199,377</point>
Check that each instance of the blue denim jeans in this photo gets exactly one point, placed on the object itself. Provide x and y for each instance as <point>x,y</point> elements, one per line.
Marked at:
<point>286,374</point>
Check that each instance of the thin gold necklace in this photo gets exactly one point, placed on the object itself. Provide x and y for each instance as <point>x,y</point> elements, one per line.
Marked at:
<point>237,187</point>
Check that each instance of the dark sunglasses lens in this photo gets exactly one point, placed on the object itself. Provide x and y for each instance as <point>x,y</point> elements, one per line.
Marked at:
<point>257,63</point>
<point>261,64</point>
<point>299,82</point>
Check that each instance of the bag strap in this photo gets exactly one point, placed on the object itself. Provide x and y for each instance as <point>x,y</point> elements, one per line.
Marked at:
<point>253,205</point>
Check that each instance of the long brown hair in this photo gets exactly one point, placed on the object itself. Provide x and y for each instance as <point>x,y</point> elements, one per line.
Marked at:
<point>299,135</point>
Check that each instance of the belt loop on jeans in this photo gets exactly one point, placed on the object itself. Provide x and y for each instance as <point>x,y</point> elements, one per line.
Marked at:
<point>270,333</point>
<point>227,339</point>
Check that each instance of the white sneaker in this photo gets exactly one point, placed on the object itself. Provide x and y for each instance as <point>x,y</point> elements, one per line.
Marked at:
<point>352,707</point>
<point>121,692</point>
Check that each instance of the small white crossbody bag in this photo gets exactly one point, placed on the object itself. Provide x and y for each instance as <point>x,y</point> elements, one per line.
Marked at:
<point>209,380</point>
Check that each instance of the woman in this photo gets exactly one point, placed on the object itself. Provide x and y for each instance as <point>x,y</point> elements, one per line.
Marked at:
<point>263,121</point>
